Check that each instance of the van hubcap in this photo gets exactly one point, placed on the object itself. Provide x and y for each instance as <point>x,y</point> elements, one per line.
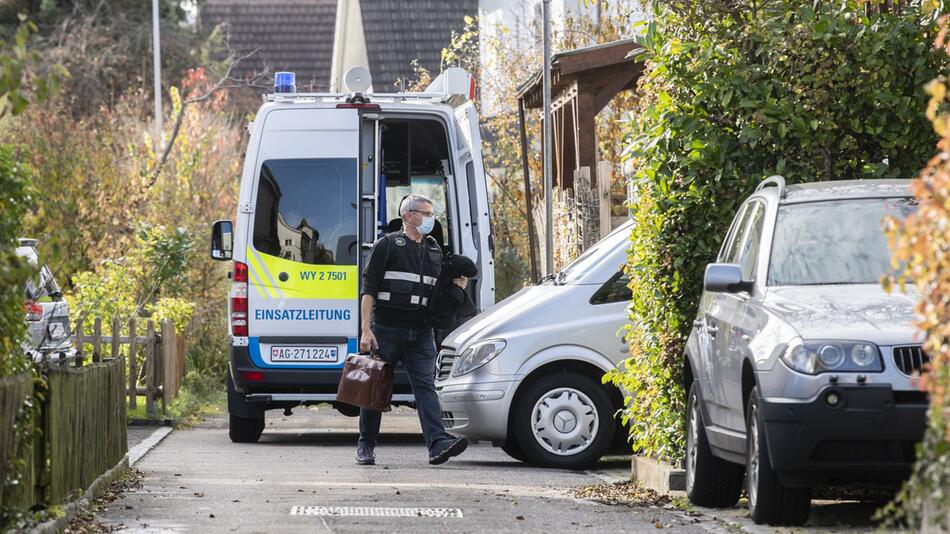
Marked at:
<point>564,421</point>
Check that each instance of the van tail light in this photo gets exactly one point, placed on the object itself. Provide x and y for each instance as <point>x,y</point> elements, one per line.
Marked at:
<point>239,300</point>
<point>253,376</point>
<point>34,312</point>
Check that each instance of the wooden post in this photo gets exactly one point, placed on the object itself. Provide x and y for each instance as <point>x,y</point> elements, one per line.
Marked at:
<point>116,332</point>
<point>529,211</point>
<point>150,347</point>
<point>133,366</point>
<point>79,335</point>
<point>169,362</point>
<point>97,339</point>
<point>603,192</point>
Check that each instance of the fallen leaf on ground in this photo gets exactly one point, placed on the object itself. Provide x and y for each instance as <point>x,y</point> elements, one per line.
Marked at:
<point>625,492</point>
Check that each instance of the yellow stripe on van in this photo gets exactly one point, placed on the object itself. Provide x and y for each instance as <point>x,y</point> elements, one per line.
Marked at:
<point>306,281</point>
<point>258,271</point>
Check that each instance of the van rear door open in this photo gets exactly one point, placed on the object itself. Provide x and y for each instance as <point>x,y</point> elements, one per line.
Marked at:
<point>471,167</point>
<point>303,247</point>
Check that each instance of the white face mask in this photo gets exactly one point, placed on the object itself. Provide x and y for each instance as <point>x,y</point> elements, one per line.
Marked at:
<point>428,223</point>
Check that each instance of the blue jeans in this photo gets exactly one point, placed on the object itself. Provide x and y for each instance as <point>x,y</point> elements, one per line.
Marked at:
<point>415,348</point>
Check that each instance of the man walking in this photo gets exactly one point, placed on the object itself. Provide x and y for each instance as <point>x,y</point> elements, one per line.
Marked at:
<point>398,283</point>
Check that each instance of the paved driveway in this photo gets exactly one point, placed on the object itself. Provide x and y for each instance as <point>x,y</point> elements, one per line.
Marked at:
<point>302,477</point>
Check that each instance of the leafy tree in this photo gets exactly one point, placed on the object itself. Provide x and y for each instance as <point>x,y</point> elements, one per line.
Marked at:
<point>735,92</point>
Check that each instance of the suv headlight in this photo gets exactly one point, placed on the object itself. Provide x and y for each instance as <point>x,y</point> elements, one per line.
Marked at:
<point>814,357</point>
<point>478,355</point>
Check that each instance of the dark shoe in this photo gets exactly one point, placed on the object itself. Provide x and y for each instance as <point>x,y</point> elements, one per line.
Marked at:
<point>454,447</point>
<point>365,455</point>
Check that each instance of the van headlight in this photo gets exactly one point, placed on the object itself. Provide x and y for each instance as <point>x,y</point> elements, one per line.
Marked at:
<point>815,357</point>
<point>477,355</point>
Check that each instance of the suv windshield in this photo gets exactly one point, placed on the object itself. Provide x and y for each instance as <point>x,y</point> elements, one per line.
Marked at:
<point>834,242</point>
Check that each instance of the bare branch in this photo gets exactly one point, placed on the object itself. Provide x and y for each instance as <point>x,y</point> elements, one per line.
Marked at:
<point>225,82</point>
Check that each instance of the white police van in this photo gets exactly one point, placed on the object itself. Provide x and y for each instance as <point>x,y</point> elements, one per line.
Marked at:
<point>322,180</point>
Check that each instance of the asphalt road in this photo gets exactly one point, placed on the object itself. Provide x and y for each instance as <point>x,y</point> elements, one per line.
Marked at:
<point>302,476</point>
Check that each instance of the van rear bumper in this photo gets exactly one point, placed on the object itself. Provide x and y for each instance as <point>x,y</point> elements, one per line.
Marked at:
<point>283,381</point>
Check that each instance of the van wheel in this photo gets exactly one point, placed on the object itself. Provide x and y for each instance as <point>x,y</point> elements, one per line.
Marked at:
<point>769,501</point>
<point>564,420</point>
<point>710,481</point>
<point>245,429</point>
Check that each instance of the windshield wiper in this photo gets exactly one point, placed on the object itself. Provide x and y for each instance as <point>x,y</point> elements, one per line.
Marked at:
<point>561,277</point>
<point>545,278</point>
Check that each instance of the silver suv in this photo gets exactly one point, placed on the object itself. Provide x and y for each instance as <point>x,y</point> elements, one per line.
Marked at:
<point>800,366</point>
<point>47,312</point>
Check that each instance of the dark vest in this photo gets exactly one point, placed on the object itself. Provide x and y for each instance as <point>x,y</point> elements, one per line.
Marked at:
<point>410,278</point>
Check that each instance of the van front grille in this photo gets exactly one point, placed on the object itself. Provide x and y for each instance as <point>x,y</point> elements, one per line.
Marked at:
<point>444,364</point>
<point>910,359</point>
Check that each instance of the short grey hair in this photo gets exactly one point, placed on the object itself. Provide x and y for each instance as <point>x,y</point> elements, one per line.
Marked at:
<point>412,202</point>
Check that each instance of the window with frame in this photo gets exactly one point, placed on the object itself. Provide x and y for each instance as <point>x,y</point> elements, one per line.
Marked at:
<point>614,290</point>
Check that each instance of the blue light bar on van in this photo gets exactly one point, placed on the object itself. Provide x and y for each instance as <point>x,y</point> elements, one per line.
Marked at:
<point>285,82</point>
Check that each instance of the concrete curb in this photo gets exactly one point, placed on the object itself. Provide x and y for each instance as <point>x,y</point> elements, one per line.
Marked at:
<point>657,476</point>
<point>73,507</point>
<point>137,452</point>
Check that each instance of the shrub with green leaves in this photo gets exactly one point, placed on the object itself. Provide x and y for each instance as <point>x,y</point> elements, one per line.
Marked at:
<point>149,278</point>
<point>14,200</point>
<point>735,92</point>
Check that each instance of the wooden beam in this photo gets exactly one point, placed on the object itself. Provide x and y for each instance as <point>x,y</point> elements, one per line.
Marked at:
<point>614,86</point>
<point>529,212</point>
<point>587,135</point>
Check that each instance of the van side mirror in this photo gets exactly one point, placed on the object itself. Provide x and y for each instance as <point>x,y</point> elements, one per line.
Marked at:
<point>725,278</point>
<point>222,240</point>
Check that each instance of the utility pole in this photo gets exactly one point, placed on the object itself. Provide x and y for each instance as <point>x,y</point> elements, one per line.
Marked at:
<point>157,75</point>
<point>548,178</point>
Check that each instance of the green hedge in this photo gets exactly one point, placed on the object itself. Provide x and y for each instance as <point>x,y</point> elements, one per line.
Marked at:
<point>13,205</point>
<point>734,92</point>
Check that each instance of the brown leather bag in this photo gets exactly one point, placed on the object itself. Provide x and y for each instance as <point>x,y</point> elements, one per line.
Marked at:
<point>367,382</point>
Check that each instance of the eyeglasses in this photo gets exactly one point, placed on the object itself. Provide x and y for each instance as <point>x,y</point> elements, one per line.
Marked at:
<point>424,213</point>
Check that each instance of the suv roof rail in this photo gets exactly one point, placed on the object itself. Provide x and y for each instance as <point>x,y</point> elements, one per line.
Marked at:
<point>775,180</point>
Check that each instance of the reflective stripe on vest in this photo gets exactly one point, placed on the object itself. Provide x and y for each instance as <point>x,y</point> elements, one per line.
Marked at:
<point>408,277</point>
<point>414,299</point>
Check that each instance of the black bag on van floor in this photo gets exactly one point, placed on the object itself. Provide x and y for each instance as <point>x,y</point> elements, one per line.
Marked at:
<point>367,382</point>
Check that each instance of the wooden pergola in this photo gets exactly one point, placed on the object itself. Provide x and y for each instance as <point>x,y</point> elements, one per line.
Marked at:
<point>583,82</point>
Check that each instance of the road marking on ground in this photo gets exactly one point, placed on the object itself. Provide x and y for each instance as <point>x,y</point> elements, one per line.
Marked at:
<point>136,453</point>
<point>525,491</point>
<point>376,511</point>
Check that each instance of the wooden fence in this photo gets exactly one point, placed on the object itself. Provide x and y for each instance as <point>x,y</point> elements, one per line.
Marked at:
<point>84,424</point>
<point>14,392</point>
<point>82,430</point>
<point>156,358</point>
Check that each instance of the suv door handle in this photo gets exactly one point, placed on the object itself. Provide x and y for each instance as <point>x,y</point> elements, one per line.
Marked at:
<point>697,323</point>
<point>712,329</point>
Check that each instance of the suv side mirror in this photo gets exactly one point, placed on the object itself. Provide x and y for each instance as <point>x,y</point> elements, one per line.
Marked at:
<point>222,240</point>
<point>725,278</point>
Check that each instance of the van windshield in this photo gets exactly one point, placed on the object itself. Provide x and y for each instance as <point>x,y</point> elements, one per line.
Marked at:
<point>307,210</point>
<point>834,242</point>
<point>592,257</point>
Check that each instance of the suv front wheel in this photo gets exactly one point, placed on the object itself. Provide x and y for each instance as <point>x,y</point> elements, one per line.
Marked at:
<point>710,481</point>
<point>769,501</point>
